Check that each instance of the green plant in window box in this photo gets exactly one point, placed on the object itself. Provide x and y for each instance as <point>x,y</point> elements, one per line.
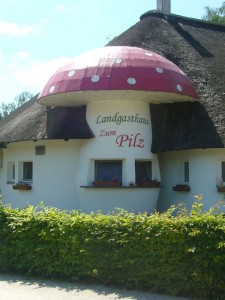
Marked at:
<point>97,182</point>
<point>221,189</point>
<point>100,182</point>
<point>22,186</point>
<point>115,182</point>
<point>149,182</point>
<point>181,188</point>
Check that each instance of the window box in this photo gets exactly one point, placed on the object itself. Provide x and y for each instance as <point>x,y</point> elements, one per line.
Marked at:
<point>181,188</point>
<point>22,186</point>
<point>106,183</point>
<point>221,189</point>
<point>149,183</point>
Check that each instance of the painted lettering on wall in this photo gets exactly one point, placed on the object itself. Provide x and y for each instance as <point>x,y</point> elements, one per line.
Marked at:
<point>125,140</point>
<point>118,119</point>
<point>107,133</point>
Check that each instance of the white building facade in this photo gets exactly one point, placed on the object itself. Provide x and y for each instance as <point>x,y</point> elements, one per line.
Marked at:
<point>116,167</point>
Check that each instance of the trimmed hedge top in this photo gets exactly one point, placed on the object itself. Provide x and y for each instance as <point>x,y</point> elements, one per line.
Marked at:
<point>182,254</point>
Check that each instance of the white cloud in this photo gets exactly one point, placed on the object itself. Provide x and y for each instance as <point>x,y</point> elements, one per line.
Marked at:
<point>22,54</point>
<point>37,74</point>
<point>44,21</point>
<point>1,55</point>
<point>14,29</point>
<point>60,7</point>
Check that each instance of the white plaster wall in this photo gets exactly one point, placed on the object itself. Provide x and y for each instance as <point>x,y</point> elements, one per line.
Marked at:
<point>53,174</point>
<point>110,147</point>
<point>138,135</point>
<point>205,175</point>
<point>58,176</point>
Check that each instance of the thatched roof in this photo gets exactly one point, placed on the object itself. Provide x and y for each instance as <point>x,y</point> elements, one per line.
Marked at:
<point>196,46</point>
<point>33,121</point>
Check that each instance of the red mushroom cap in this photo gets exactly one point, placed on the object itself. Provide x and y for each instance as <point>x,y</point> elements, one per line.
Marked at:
<point>117,72</point>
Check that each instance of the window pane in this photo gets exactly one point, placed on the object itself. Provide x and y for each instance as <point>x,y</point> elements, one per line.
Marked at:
<point>223,170</point>
<point>13,171</point>
<point>27,171</point>
<point>186,171</point>
<point>143,170</point>
<point>40,150</point>
<point>108,170</point>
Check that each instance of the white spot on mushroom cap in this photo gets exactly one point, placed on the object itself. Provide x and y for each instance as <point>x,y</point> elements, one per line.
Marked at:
<point>149,54</point>
<point>51,90</point>
<point>131,80</point>
<point>117,60</point>
<point>95,78</point>
<point>71,73</point>
<point>159,70</point>
<point>179,88</point>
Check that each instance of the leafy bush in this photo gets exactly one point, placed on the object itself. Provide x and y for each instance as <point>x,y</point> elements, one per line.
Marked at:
<point>177,254</point>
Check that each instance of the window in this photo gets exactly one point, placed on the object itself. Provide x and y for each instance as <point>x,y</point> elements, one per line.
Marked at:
<point>108,170</point>
<point>143,170</point>
<point>11,172</point>
<point>27,171</point>
<point>186,171</point>
<point>40,150</point>
<point>1,158</point>
<point>223,170</point>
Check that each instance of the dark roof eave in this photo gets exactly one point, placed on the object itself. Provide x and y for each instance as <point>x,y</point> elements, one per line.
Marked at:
<point>3,145</point>
<point>33,121</point>
<point>6,142</point>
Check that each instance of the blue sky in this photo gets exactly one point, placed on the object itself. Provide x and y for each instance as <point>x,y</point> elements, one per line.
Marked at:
<point>37,37</point>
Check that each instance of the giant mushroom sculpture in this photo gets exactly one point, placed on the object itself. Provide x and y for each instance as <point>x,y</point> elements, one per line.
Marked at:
<point>117,72</point>
<point>117,83</point>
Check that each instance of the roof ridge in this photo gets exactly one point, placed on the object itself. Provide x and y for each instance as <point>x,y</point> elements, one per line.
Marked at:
<point>184,20</point>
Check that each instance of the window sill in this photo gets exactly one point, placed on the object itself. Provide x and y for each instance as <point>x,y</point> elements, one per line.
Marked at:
<point>118,187</point>
<point>10,182</point>
<point>181,188</point>
<point>149,183</point>
<point>106,184</point>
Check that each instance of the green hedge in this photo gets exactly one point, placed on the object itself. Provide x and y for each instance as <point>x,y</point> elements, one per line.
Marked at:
<point>182,254</point>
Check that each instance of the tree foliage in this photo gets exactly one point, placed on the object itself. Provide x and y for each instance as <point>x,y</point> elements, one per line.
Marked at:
<point>216,15</point>
<point>6,109</point>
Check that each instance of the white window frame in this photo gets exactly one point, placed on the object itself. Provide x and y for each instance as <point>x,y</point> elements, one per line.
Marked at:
<point>11,172</point>
<point>21,172</point>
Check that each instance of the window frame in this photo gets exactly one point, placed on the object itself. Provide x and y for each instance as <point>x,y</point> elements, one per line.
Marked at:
<point>105,178</point>
<point>186,171</point>
<point>40,150</point>
<point>222,170</point>
<point>11,172</point>
<point>23,177</point>
<point>148,176</point>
